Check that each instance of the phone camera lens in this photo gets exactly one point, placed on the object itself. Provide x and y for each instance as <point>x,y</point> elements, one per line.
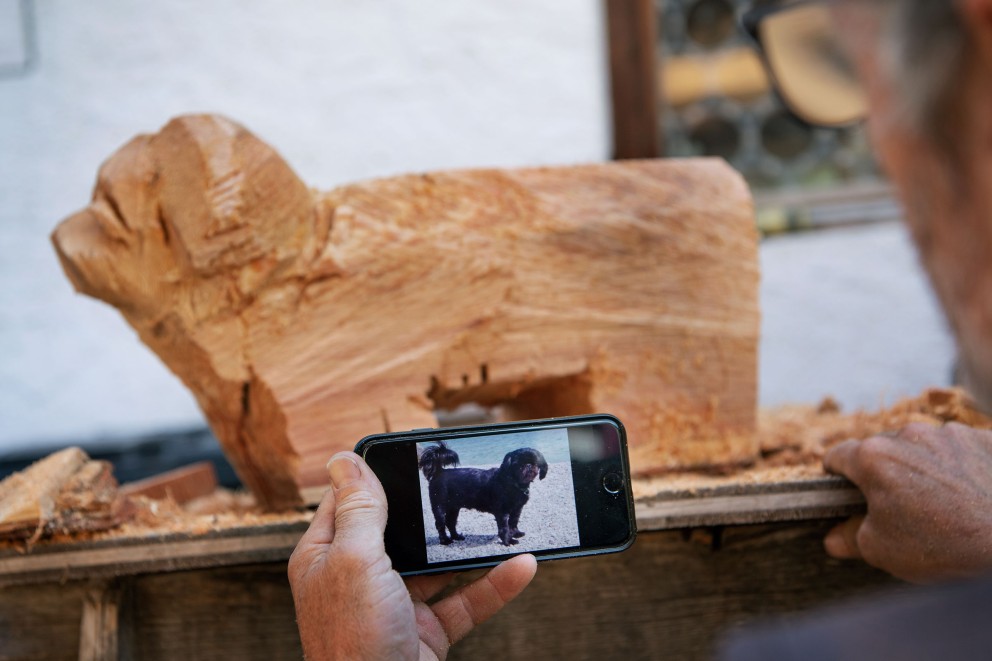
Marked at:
<point>612,482</point>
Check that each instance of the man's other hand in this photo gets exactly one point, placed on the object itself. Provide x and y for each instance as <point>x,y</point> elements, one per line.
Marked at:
<point>350,604</point>
<point>929,494</point>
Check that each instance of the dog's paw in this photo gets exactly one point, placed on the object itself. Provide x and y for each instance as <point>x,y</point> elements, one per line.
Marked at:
<point>519,533</point>
<point>511,542</point>
<point>457,536</point>
<point>445,540</point>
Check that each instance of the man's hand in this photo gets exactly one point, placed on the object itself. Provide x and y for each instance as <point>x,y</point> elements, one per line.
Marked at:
<point>929,493</point>
<point>350,604</point>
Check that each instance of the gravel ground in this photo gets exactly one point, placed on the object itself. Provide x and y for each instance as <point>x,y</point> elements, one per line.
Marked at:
<point>548,518</point>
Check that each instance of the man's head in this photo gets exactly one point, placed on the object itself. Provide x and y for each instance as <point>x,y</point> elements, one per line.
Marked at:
<point>926,70</point>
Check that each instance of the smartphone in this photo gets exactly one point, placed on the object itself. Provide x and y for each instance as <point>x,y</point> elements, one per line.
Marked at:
<point>467,497</point>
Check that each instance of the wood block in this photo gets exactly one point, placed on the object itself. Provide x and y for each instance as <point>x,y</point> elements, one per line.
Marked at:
<point>27,498</point>
<point>303,321</point>
<point>63,493</point>
<point>181,485</point>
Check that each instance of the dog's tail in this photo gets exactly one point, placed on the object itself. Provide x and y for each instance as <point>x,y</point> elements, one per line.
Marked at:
<point>435,458</point>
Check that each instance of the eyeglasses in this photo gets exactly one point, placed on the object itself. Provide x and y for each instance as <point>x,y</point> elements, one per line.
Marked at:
<point>799,46</point>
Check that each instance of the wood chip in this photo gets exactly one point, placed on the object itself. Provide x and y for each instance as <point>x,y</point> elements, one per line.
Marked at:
<point>66,492</point>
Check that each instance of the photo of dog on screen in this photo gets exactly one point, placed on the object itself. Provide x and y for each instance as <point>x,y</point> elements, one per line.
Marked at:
<point>495,495</point>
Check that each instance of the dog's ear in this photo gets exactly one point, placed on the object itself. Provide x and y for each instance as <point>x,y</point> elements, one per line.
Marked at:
<point>508,461</point>
<point>542,464</point>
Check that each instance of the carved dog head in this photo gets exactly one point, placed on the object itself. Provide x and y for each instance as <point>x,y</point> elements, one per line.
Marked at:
<point>195,206</point>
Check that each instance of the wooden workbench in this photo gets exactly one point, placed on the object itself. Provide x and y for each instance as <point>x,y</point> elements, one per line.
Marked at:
<point>707,559</point>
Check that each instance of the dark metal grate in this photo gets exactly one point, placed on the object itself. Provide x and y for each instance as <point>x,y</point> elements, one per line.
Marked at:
<point>716,101</point>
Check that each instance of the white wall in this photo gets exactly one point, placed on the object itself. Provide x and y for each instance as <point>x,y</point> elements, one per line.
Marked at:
<point>345,90</point>
<point>849,313</point>
<point>348,90</point>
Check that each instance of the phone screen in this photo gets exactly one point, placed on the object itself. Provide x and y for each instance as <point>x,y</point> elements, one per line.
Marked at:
<point>468,497</point>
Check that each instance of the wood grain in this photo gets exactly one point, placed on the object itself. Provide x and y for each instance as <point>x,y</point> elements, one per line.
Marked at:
<point>41,622</point>
<point>98,630</point>
<point>671,596</point>
<point>229,613</point>
<point>751,503</point>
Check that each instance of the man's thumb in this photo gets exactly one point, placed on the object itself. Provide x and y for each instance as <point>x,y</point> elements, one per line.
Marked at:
<point>360,515</point>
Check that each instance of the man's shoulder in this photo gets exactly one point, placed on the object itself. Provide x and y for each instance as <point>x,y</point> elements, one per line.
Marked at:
<point>938,622</point>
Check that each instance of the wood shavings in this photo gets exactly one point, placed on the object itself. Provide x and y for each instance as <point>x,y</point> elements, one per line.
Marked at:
<point>794,438</point>
<point>63,493</point>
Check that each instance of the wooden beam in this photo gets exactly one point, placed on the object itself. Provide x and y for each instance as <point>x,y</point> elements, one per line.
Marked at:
<point>181,485</point>
<point>633,78</point>
<point>813,499</point>
<point>823,498</point>
<point>99,625</point>
<point>146,553</point>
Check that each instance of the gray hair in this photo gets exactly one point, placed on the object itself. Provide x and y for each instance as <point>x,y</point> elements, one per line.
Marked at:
<point>928,45</point>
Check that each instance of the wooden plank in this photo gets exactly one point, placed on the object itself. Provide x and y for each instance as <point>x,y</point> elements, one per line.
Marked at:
<point>240,613</point>
<point>827,497</point>
<point>726,505</point>
<point>123,556</point>
<point>671,596</point>
<point>41,622</point>
<point>98,629</point>
<point>633,78</point>
<point>181,485</point>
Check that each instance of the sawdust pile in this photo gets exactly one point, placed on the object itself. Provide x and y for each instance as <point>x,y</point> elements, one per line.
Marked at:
<point>222,510</point>
<point>68,496</point>
<point>801,434</point>
<point>794,438</point>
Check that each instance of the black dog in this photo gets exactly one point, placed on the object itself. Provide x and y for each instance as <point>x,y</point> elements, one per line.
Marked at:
<point>502,491</point>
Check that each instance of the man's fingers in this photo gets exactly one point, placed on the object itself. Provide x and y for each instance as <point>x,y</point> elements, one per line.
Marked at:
<point>360,514</point>
<point>842,541</point>
<point>477,602</point>
<point>423,588</point>
<point>321,530</point>
<point>842,459</point>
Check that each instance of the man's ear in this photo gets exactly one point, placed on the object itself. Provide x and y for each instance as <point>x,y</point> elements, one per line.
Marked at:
<point>976,16</point>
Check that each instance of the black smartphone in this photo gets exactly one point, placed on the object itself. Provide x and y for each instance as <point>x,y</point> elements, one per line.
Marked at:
<point>467,497</point>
